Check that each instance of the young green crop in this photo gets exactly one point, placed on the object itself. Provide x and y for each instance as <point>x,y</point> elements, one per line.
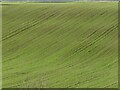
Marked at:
<point>61,45</point>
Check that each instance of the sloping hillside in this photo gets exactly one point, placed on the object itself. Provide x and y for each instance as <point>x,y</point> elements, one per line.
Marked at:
<point>55,45</point>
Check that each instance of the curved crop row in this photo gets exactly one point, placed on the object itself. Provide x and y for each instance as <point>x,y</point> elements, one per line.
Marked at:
<point>65,45</point>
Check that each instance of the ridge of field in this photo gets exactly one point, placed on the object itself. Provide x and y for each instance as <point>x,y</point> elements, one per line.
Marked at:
<point>58,0</point>
<point>60,45</point>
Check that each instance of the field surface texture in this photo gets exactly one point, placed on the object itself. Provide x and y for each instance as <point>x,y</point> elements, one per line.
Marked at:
<point>60,45</point>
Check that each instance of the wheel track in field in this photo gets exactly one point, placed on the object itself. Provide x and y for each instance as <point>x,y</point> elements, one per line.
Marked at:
<point>17,33</point>
<point>73,65</point>
<point>29,21</point>
<point>77,49</point>
<point>94,41</point>
<point>62,39</point>
<point>66,67</point>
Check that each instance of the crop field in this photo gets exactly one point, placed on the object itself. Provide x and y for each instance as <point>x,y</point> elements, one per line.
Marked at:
<point>60,45</point>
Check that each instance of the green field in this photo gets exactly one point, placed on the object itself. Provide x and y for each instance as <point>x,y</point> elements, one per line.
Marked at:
<point>60,45</point>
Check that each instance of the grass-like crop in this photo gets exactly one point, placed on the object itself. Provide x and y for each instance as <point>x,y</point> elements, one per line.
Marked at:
<point>60,45</point>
